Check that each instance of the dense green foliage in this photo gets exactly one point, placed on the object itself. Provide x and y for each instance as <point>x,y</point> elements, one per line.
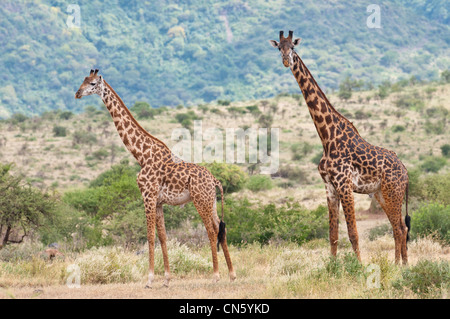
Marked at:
<point>427,278</point>
<point>111,210</point>
<point>22,207</point>
<point>171,52</point>
<point>432,219</point>
<point>263,223</point>
<point>231,176</point>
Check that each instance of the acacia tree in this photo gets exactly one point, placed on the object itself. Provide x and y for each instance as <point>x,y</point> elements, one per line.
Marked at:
<point>22,207</point>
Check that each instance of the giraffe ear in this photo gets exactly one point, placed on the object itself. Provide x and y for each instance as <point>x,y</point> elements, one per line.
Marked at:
<point>274,43</point>
<point>296,41</point>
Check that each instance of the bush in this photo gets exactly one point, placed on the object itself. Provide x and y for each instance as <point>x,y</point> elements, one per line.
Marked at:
<point>291,222</point>
<point>110,265</point>
<point>100,154</point>
<point>343,265</point>
<point>316,159</point>
<point>66,115</point>
<point>410,102</point>
<point>82,137</point>
<point>432,218</point>
<point>435,187</point>
<point>300,150</point>
<point>232,177</point>
<point>59,131</point>
<point>433,164</point>
<point>426,278</point>
<point>379,231</point>
<point>292,173</point>
<point>445,149</point>
<point>258,183</point>
<point>398,128</point>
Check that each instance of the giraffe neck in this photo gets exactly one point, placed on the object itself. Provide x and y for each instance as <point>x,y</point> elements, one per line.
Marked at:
<point>136,139</point>
<point>328,122</point>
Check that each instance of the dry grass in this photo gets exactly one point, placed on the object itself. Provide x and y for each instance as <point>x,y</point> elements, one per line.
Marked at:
<point>283,270</point>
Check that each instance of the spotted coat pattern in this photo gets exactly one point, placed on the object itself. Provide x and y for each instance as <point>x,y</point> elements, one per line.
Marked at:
<point>163,178</point>
<point>349,164</point>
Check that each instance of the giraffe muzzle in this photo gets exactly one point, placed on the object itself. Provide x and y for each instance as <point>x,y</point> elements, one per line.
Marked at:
<point>78,95</point>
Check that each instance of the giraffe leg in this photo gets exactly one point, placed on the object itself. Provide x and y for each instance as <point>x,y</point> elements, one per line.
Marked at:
<point>333,212</point>
<point>205,214</point>
<point>393,210</point>
<point>224,245</point>
<point>348,205</point>
<point>333,206</point>
<point>150,214</point>
<point>161,228</point>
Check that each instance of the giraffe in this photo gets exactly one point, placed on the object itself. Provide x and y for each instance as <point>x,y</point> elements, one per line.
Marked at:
<point>349,164</point>
<point>163,179</point>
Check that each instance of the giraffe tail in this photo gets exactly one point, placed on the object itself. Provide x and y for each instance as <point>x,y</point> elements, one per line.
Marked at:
<point>222,230</point>
<point>407,217</point>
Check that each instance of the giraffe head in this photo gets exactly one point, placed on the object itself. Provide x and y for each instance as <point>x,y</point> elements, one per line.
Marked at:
<point>286,47</point>
<point>92,84</point>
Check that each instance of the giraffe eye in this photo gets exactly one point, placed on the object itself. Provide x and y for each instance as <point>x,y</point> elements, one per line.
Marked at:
<point>93,84</point>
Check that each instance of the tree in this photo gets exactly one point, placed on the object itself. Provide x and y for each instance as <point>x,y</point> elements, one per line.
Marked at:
<point>232,177</point>
<point>445,76</point>
<point>22,207</point>
<point>347,86</point>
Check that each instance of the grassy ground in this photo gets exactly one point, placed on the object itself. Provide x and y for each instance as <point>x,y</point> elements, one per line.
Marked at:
<point>277,270</point>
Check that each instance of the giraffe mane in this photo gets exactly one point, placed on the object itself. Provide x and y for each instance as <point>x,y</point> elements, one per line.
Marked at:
<point>325,97</point>
<point>132,117</point>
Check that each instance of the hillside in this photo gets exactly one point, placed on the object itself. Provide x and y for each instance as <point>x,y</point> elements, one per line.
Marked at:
<point>171,53</point>
<point>412,120</point>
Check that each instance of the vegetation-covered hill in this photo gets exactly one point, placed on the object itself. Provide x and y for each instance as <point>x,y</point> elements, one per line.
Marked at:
<point>191,52</point>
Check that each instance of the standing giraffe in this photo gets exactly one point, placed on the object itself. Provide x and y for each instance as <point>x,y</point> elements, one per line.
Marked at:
<point>349,164</point>
<point>163,179</point>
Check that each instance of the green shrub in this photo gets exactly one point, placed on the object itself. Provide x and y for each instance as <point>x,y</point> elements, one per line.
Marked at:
<point>300,150</point>
<point>426,278</point>
<point>292,173</point>
<point>66,115</point>
<point>409,102</point>
<point>82,137</point>
<point>435,127</point>
<point>445,149</point>
<point>86,200</point>
<point>232,177</point>
<point>432,218</point>
<point>258,183</point>
<point>114,173</point>
<point>346,265</point>
<point>291,222</point>
<point>316,159</point>
<point>434,187</point>
<point>223,102</point>
<point>100,154</point>
<point>59,131</point>
<point>379,231</point>
<point>433,164</point>
<point>398,128</point>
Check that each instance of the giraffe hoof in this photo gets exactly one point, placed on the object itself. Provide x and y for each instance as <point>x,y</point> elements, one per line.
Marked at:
<point>148,286</point>
<point>216,277</point>
<point>233,276</point>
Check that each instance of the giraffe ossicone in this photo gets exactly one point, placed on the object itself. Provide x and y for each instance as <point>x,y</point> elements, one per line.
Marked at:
<point>163,179</point>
